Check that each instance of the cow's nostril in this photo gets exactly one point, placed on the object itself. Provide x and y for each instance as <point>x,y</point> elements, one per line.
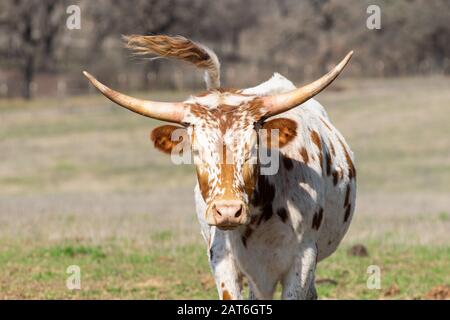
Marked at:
<point>238,213</point>
<point>216,210</point>
<point>228,212</point>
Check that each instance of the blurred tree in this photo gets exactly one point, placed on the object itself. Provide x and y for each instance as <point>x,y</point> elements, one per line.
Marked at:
<point>218,22</point>
<point>31,28</point>
<point>252,38</point>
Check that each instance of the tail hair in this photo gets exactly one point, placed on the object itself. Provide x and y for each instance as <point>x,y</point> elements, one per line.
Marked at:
<point>180,48</point>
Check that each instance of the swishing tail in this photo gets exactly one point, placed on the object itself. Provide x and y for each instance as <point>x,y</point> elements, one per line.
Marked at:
<point>180,48</point>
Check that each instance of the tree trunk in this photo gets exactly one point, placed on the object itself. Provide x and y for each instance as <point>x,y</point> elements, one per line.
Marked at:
<point>150,70</point>
<point>28,75</point>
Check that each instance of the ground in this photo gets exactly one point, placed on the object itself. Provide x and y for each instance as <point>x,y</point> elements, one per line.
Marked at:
<point>80,184</point>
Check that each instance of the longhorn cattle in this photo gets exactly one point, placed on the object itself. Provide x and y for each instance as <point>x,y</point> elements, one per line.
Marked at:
<point>266,228</point>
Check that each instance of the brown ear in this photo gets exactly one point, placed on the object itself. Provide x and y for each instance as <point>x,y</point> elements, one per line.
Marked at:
<point>287,130</point>
<point>165,138</point>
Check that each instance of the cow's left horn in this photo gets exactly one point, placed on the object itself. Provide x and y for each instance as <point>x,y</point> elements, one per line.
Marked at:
<point>166,111</point>
<point>282,102</point>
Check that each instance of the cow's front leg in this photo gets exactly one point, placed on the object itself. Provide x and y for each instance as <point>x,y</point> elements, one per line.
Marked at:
<point>251,292</point>
<point>299,280</point>
<point>227,276</point>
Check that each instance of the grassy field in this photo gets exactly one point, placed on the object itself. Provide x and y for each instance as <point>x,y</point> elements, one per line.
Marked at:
<point>80,184</point>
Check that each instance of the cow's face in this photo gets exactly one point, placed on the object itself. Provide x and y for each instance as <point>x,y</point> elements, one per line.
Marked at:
<point>225,133</point>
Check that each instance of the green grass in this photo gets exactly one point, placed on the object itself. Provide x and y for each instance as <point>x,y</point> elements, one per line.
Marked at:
<point>413,270</point>
<point>120,271</point>
<point>111,271</point>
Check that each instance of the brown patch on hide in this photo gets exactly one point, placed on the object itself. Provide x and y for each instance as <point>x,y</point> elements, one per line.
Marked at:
<point>287,162</point>
<point>328,163</point>
<point>203,183</point>
<point>247,233</point>
<point>263,197</point>
<point>333,151</point>
<point>318,142</point>
<point>266,213</point>
<point>304,155</point>
<point>347,213</point>
<point>317,219</point>
<point>250,174</point>
<point>321,160</point>
<point>335,177</point>
<point>325,123</point>
<point>197,110</point>
<point>226,295</point>
<point>226,115</point>
<point>316,139</point>
<point>264,193</point>
<point>226,179</point>
<point>255,108</point>
<point>282,213</point>
<point>351,167</point>
<point>347,196</point>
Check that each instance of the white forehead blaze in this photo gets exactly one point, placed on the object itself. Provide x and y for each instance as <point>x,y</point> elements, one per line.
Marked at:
<point>212,138</point>
<point>215,99</point>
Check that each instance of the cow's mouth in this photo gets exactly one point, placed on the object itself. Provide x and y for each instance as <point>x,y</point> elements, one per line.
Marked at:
<point>228,227</point>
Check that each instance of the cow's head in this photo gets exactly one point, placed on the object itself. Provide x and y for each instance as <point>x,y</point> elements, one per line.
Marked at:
<point>223,132</point>
<point>221,128</point>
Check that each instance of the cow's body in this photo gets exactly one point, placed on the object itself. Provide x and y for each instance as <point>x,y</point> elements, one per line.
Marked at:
<point>268,227</point>
<point>311,207</point>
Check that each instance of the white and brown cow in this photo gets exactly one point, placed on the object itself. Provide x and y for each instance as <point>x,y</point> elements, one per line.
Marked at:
<point>266,228</point>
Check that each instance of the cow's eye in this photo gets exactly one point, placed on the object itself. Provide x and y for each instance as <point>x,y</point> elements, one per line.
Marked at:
<point>252,152</point>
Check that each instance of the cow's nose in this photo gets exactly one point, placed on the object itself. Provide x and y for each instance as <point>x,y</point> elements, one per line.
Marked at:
<point>228,213</point>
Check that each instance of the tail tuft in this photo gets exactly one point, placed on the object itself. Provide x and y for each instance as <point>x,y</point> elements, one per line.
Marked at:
<point>180,48</point>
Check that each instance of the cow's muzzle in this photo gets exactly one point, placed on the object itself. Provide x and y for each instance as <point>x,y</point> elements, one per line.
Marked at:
<point>227,214</point>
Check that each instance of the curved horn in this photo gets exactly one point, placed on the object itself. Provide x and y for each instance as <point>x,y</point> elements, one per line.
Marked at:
<point>283,102</point>
<point>166,111</point>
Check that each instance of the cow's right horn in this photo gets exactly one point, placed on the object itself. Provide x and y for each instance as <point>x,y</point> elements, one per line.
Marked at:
<point>165,111</point>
